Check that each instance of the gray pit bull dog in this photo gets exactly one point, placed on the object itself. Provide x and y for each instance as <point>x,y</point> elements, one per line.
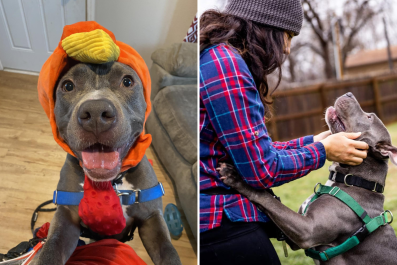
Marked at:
<point>329,222</point>
<point>101,108</point>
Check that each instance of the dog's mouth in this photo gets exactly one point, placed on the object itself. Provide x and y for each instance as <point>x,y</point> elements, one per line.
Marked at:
<point>101,162</point>
<point>334,122</point>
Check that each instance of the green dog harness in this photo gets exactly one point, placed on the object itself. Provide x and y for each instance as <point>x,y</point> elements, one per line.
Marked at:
<point>370,224</point>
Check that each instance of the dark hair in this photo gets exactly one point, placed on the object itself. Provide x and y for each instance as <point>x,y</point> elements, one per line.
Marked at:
<point>262,47</point>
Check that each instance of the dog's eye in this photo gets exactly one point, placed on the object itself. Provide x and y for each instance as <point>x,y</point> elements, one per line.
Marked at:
<point>369,117</point>
<point>127,82</point>
<point>68,86</point>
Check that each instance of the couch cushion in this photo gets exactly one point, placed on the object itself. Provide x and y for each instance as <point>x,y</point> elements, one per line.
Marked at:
<point>181,172</point>
<point>180,59</point>
<point>161,78</point>
<point>176,109</point>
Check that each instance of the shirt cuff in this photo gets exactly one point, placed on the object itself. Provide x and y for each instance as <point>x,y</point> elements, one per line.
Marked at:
<point>319,155</point>
<point>308,140</point>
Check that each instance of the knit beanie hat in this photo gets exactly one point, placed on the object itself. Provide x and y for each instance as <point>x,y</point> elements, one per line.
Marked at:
<point>283,14</point>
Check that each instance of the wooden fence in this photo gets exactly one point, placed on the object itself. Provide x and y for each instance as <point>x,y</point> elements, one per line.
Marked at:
<point>300,111</point>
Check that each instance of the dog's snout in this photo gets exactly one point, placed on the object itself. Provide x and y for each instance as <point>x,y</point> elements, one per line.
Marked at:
<point>349,94</point>
<point>97,116</point>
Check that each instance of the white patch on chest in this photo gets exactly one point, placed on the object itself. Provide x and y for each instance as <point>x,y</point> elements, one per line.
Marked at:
<point>126,186</point>
<point>329,183</point>
<point>305,203</point>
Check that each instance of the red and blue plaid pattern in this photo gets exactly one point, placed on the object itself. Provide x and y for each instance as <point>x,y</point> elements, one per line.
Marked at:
<point>232,130</point>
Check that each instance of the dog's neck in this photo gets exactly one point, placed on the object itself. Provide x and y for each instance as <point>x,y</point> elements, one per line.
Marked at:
<point>371,169</point>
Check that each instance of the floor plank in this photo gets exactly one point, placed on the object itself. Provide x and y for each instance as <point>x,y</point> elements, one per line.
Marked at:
<point>30,162</point>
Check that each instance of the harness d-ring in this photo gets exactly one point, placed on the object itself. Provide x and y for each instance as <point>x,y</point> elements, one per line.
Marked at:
<point>345,180</point>
<point>315,187</point>
<point>391,215</point>
<point>118,193</point>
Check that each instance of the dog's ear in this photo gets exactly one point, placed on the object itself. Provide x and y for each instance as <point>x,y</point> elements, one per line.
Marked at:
<point>387,151</point>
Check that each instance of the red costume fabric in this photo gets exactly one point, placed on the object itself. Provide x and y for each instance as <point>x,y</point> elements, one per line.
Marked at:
<point>100,208</point>
<point>105,252</point>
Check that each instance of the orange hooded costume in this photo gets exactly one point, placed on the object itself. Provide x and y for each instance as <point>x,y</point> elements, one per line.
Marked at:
<point>92,42</point>
<point>89,42</point>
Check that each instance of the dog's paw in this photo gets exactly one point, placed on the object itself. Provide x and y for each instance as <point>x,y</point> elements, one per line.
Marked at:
<point>229,175</point>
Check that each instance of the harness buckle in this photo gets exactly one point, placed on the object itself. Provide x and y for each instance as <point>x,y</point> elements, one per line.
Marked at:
<point>346,182</point>
<point>374,190</point>
<point>118,193</point>
<point>56,197</point>
<point>162,188</point>
<point>361,233</point>
<point>137,192</point>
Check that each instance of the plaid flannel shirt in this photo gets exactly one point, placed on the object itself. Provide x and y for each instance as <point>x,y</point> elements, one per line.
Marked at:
<point>232,130</point>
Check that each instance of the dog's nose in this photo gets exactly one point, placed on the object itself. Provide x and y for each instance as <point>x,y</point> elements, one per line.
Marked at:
<point>97,116</point>
<point>349,94</point>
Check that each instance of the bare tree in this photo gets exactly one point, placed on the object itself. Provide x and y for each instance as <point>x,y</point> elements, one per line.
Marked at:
<point>356,13</point>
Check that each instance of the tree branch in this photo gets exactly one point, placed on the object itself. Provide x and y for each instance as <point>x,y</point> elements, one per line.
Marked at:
<point>318,30</point>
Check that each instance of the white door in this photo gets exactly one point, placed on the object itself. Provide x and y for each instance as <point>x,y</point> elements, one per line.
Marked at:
<point>30,30</point>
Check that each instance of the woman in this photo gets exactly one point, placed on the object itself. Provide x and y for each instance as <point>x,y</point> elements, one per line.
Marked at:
<point>239,48</point>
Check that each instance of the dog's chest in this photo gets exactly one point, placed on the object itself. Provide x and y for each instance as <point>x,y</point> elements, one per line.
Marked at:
<point>125,185</point>
<point>306,202</point>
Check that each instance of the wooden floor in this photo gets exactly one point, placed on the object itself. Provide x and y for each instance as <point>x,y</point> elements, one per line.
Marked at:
<point>30,162</point>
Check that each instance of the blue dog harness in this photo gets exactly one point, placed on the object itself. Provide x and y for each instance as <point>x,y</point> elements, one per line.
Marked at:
<point>127,197</point>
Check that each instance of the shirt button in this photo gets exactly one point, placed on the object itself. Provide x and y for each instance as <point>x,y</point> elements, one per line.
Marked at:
<point>256,133</point>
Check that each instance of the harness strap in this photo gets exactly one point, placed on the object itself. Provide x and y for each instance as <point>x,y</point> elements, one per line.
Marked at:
<point>345,198</point>
<point>351,180</point>
<point>370,224</point>
<point>127,197</point>
<point>330,253</point>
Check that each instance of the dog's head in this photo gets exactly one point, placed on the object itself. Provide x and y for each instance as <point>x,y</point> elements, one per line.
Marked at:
<point>347,116</point>
<point>100,112</point>
<point>95,91</point>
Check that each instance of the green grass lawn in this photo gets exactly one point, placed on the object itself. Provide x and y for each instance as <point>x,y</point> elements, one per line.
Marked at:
<point>294,193</point>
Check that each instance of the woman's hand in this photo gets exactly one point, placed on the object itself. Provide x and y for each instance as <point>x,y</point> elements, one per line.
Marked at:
<point>321,136</point>
<point>342,148</point>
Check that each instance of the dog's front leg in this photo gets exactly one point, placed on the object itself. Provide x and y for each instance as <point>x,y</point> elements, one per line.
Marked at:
<point>305,231</point>
<point>157,241</point>
<point>298,228</point>
<point>62,237</point>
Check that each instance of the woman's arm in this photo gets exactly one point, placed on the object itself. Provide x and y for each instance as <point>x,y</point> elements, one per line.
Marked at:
<point>235,110</point>
<point>294,144</point>
<point>300,142</point>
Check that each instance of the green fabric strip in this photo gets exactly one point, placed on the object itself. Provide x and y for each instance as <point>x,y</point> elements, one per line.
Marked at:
<point>376,222</point>
<point>350,243</point>
<point>330,253</point>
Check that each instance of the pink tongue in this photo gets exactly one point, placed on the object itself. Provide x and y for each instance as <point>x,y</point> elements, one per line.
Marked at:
<point>104,160</point>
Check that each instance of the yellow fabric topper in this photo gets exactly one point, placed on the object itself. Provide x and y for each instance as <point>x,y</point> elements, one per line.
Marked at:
<point>91,47</point>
